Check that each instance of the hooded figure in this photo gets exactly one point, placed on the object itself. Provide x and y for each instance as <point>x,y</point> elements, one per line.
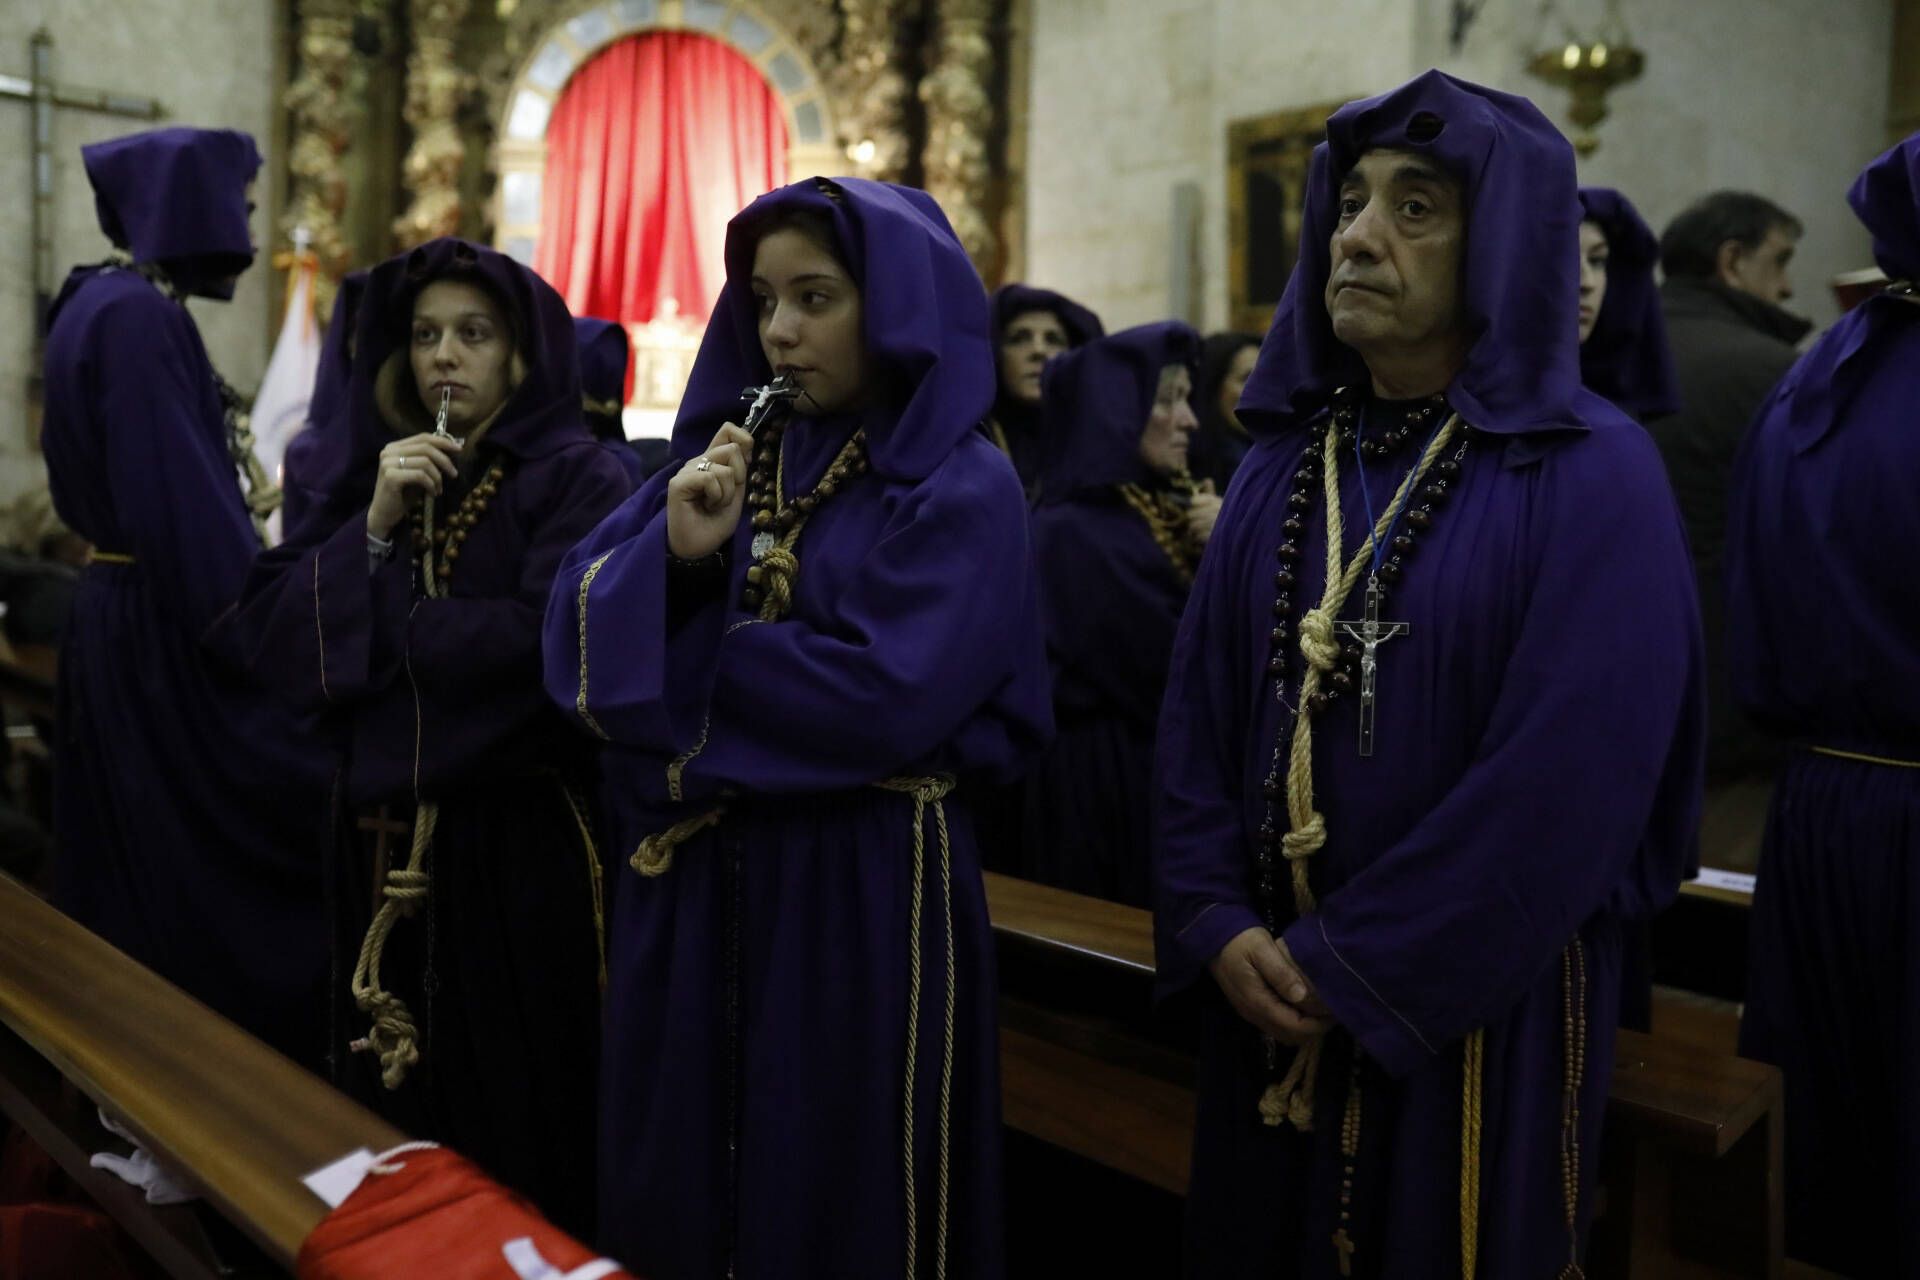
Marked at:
<point>604,353</point>
<point>1226,361</point>
<point>1625,355</point>
<point>793,674</point>
<point>460,784</point>
<point>1403,815</point>
<point>185,803</point>
<point>1030,327</point>
<point>1823,611</point>
<point>1116,555</point>
<point>316,457</point>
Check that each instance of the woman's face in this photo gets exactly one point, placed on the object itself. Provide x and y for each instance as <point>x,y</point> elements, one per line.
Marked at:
<point>810,321</point>
<point>1029,340</point>
<point>461,343</point>
<point>1170,423</point>
<point>1593,276</point>
<point>1236,381</point>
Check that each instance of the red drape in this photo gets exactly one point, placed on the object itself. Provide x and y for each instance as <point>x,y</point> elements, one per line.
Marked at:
<point>653,146</point>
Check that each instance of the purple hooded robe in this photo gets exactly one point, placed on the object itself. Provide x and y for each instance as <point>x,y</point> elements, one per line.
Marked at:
<point>1823,612</point>
<point>440,698</point>
<point>604,353</point>
<point>1111,598</point>
<point>1015,424</point>
<point>187,808</point>
<point>316,457</point>
<point>1536,770</point>
<point>1626,358</point>
<point>776,1047</point>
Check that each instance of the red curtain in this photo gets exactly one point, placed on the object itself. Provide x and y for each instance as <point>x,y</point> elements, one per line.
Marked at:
<point>653,146</point>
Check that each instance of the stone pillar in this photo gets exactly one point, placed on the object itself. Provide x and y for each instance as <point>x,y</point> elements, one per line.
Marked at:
<point>956,93</point>
<point>436,86</point>
<point>322,130</point>
<point>870,90</point>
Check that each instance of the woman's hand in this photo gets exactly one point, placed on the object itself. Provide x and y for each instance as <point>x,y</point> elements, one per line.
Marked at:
<point>705,499</point>
<point>410,470</point>
<point>1202,512</point>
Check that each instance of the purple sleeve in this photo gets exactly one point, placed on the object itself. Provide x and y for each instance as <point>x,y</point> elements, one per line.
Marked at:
<point>1597,720</point>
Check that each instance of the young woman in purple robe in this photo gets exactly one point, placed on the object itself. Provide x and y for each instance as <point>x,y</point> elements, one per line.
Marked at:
<point>604,353</point>
<point>1432,729</point>
<point>1823,610</point>
<point>185,802</point>
<point>1623,331</point>
<point>308,471</point>
<point>1226,362</point>
<point>1030,327</point>
<point>466,890</point>
<point>796,642</point>
<point>1116,537</point>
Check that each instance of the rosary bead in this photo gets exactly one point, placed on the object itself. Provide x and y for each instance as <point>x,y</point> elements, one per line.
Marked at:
<point>1420,517</point>
<point>763,520</point>
<point>1293,526</point>
<point>1341,680</point>
<point>1403,543</point>
<point>755,574</point>
<point>1289,553</point>
<point>1277,665</point>
<point>1317,702</point>
<point>1281,609</point>
<point>1278,635</point>
<point>1390,572</point>
<point>1435,490</point>
<point>1299,500</point>
<point>1446,468</point>
<point>1283,579</point>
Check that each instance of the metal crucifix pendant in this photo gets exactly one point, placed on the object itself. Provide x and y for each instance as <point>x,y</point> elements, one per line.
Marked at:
<point>1371,633</point>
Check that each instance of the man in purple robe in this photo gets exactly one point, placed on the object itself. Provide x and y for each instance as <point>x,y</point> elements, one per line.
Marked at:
<point>1116,542</point>
<point>1432,729</point>
<point>1823,611</point>
<point>466,887</point>
<point>186,806</point>
<point>796,642</point>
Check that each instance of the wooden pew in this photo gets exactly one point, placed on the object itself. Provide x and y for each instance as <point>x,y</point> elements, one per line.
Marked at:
<point>1691,1183</point>
<point>243,1122</point>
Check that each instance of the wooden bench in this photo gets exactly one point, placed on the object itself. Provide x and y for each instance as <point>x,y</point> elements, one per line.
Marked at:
<point>1691,1180</point>
<point>208,1099</point>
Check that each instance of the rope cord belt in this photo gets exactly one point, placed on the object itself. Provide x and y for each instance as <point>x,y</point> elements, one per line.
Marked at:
<point>1861,758</point>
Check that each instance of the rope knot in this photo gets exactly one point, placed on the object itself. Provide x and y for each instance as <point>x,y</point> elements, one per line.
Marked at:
<point>778,568</point>
<point>1304,841</point>
<point>654,857</point>
<point>407,888</point>
<point>1317,642</point>
<point>392,1036</point>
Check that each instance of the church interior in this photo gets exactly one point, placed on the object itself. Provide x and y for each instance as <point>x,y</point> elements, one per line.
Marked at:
<point>1143,161</point>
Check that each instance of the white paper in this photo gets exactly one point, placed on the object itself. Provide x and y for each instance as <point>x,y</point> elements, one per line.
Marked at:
<point>335,1182</point>
<point>1714,878</point>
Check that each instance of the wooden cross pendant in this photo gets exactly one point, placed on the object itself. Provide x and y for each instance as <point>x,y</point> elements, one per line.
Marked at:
<point>1371,633</point>
<point>383,826</point>
<point>1343,1245</point>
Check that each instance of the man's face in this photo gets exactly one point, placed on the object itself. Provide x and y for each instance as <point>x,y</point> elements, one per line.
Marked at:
<point>1397,250</point>
<point>1760,271</point>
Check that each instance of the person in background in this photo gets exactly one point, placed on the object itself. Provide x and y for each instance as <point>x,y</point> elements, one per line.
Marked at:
<point>1030,327</point>
<point>1624,354</point>
<point>1226,359</point>
<point>604,352</point>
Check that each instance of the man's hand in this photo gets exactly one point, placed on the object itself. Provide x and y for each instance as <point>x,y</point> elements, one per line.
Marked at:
<point>1265,987</point>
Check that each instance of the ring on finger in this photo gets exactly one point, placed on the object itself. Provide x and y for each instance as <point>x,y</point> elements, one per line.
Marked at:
<point>703,464</point>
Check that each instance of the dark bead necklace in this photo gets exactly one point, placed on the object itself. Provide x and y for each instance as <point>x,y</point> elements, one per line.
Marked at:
<point>777,523</point>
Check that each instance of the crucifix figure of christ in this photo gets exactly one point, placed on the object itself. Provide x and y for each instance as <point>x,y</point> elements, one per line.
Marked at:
<point>39,89</point>
<point>1371,633</point>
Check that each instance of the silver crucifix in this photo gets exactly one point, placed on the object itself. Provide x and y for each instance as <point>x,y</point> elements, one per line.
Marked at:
<point>1371,633</point>
<point>761,401</point>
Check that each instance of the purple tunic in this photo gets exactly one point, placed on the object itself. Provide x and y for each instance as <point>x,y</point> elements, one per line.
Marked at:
<point>1823,613</point>
<point>186,806</point>
<point>604,352</point>
<point>1626,357</point>
<point>1536,770</point>
<point>316,458</point>
<point>762,985</point>
<point>440,699</point>
<point>1111,598</point>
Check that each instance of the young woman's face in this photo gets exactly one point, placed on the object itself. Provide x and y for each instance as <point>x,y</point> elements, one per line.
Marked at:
<point>1593,276</point>
<point>810,321</point>
<point>461,343</point>
<point>1236,381</point>
<point>1029,340</point>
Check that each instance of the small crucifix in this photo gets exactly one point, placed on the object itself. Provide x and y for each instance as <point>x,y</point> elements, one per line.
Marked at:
<point>1371,633</point>
<point>38,88</point>
<point>761,401</point>
<point>1343,1245</point>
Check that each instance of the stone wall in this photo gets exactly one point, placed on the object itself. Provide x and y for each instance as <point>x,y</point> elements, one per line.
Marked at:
<point>209,62</point>
<point>1131,98</point>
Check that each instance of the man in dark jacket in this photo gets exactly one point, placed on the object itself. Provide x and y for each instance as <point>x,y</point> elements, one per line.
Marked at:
<point>1726,261</point>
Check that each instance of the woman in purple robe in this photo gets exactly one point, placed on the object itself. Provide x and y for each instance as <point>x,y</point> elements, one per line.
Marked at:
<point>1823,611</point>
<point>1623,330</point>
<point>1226,362</point>
<point>307,472</point>
<point>796,643</point>
<point>1030,327</point>
<point>1420,879</point>
<point>1116,551</point>
<point>604,352</point>
<point>185,803</point>
<point>409,620</point>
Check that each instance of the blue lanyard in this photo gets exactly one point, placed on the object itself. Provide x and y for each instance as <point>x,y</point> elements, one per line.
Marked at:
<point>1366,499</point>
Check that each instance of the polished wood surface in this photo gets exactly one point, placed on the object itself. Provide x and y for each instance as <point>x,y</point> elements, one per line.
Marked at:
<point>1071,924</point>
<point>244,1122</point>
